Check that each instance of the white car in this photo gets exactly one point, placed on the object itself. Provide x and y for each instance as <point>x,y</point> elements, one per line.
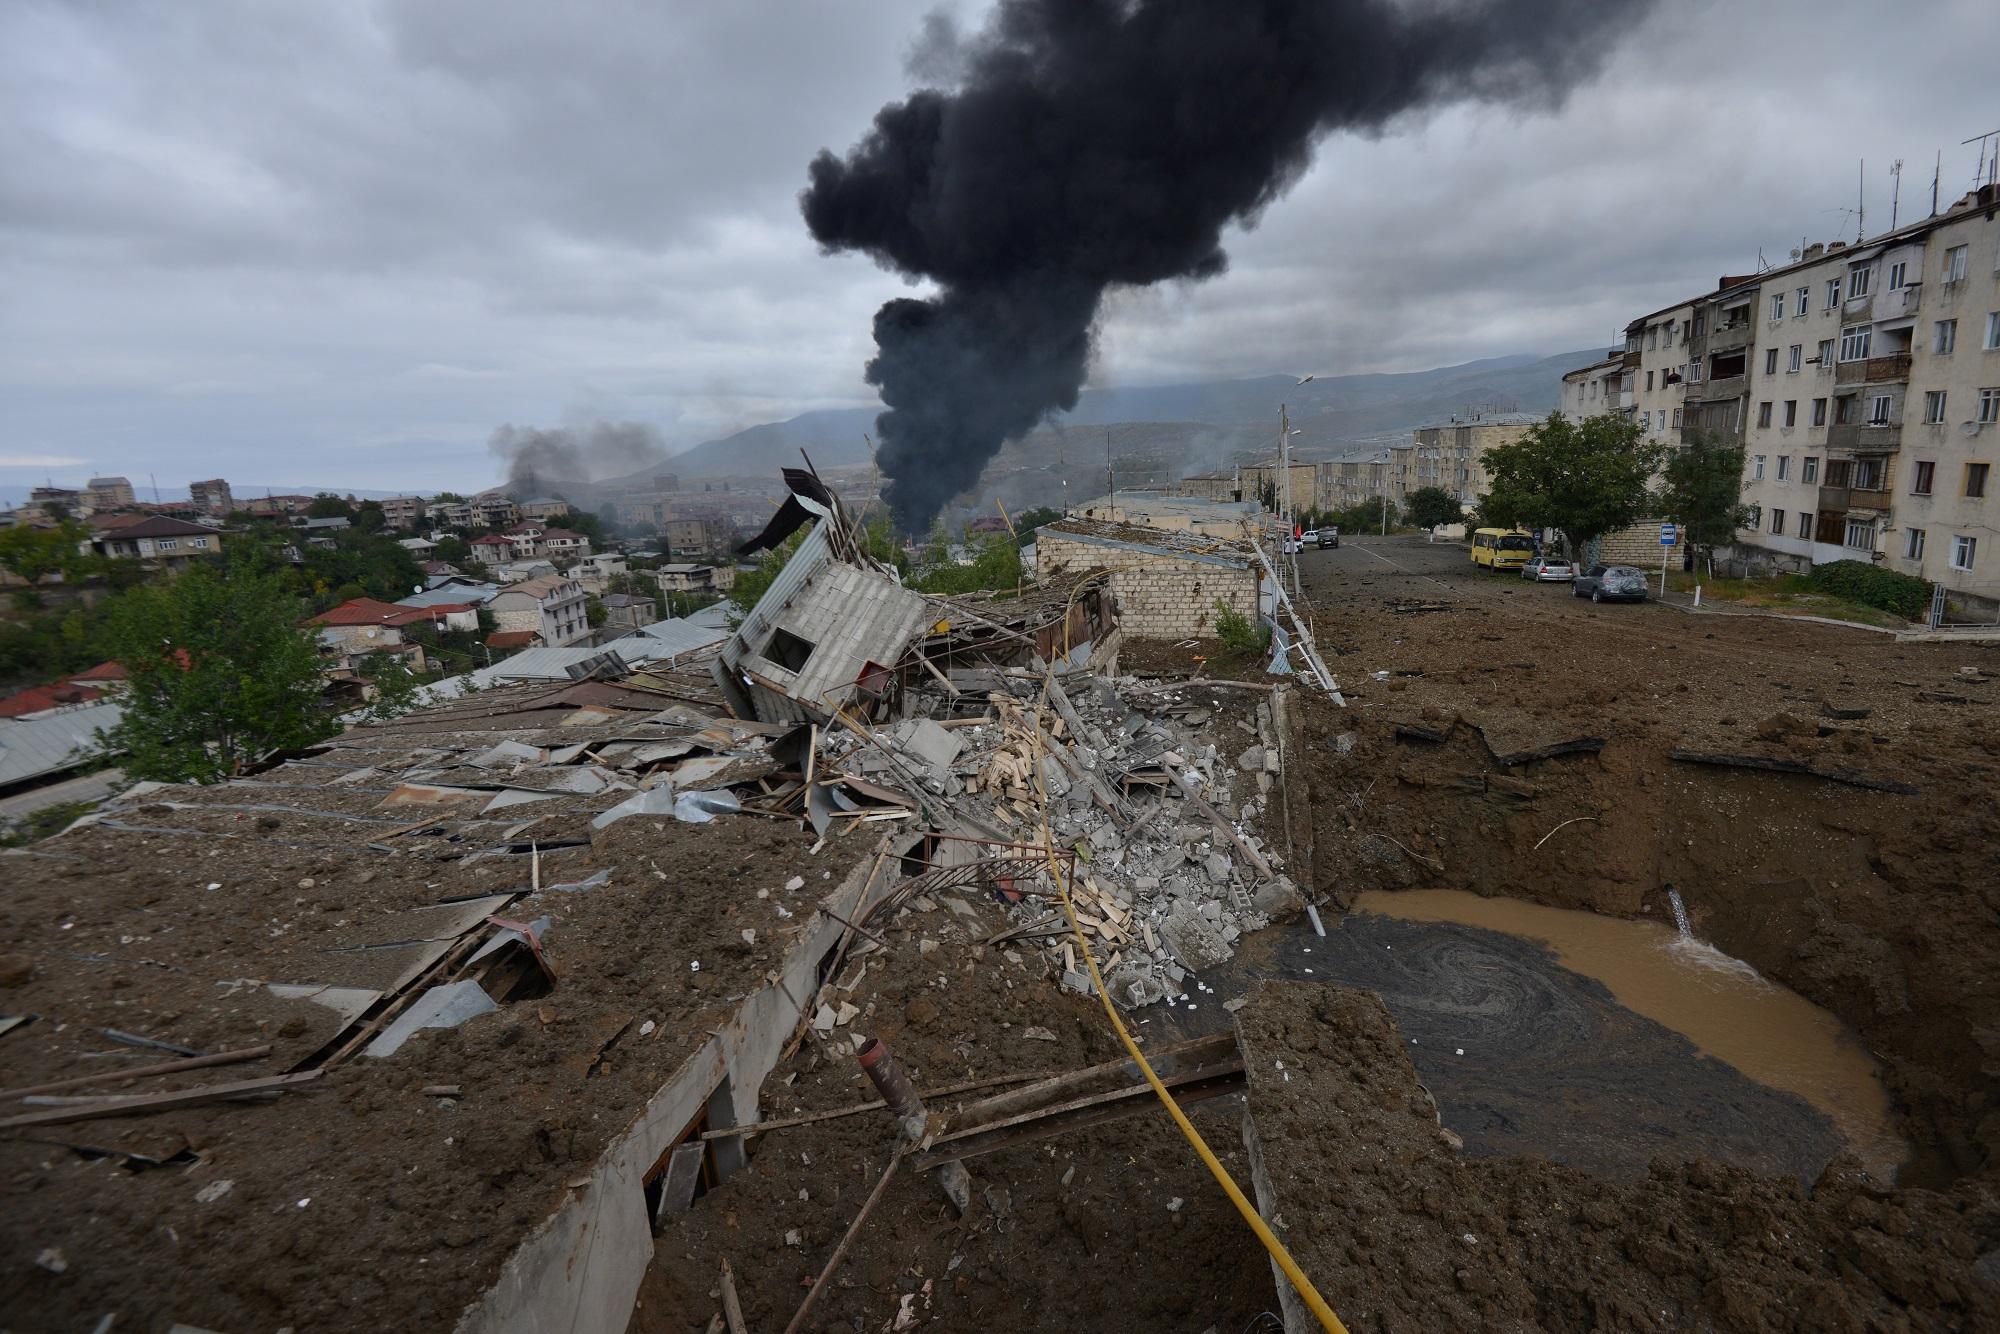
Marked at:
<point>1308,537</point>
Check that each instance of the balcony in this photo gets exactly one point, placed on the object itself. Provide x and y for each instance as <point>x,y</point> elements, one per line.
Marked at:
<point>1867,497</point>
<point>1866,437</point>
<point>1729,337</point>
<point>1833,498</point>
<point>1716,391</point>
<point>1900,303</point>
<point>1874,370</point>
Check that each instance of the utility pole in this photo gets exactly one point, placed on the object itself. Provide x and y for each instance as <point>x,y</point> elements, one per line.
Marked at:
<point>1285,494</point>
<point>1110,478</point>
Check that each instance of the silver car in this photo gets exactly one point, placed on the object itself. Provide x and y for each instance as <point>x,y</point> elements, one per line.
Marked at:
<point>1610,583</point>
<point>1549,570</point>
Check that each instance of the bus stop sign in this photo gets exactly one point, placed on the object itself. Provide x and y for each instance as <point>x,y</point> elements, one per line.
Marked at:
<point>1668,534</point>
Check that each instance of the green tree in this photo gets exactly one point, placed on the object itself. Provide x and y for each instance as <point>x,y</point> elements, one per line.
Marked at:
<point>32,552</point>
<point>327,505</point>
<point>1583,479</point>
<point>368,516</point>
<point>1026,522</point>
<point>452,550</point>
<point>396,686</point>
<point>1433,506</point>
<point>220,674</point>
<point>1702,488</point>
<point>593,610</point>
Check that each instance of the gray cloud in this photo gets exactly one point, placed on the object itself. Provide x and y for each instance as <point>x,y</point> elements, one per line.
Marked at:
<point>340,244</point>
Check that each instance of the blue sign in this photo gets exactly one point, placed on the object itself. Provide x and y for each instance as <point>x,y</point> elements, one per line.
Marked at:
<point>1668,534</point>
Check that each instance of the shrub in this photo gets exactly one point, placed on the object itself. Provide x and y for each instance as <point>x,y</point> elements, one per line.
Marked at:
<point>1873,586</point>
<point>1237,633</point>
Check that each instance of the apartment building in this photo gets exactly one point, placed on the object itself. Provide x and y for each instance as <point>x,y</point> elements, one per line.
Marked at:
<point>544,509</point>
<point>1208,486</point>
<point>211,496</point>
<point>172,543</point>
<point>550,605</point>
<point>108,493</point>
<point>1652,389</point>
<point>1872,419</point>
<point>1355,479</point>
<point>1590,391</point>
<point>697,534</point>
<point>1451,455</point>
<point>403,511</point>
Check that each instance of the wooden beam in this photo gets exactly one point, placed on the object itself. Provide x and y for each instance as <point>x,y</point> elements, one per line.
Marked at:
<point>1192,1086</point>
<point>159,1102</point>
<point>142,1071</point>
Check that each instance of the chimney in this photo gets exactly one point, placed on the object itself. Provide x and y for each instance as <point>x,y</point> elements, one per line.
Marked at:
<point>1813,251</point>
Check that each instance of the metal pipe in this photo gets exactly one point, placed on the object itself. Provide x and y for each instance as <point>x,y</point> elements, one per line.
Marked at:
<point>893,1083</point>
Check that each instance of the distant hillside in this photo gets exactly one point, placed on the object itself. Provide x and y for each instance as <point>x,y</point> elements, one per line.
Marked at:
<point>1331,410</point>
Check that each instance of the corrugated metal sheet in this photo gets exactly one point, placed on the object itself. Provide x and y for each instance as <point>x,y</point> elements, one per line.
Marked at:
<point>444,596</point>
<point>551,664</point>
<point>681,635</point>
<point>34,747</point>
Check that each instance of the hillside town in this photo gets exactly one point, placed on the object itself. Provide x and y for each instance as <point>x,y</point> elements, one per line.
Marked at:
<point>1051,666</point>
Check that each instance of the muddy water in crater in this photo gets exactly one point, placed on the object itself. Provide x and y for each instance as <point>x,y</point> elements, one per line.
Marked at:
<point>1768,1033</point>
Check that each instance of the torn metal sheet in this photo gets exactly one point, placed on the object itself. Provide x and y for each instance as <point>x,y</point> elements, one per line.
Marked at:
<point>702,807</point>
<point>507,754</point>
<point>691,773</point>
<point>512,936</point>
<point>595,881</point>
<point>445,921</point>
<point>653,801</point>
<point>423,794</point>
<point>584,782</point>
<point>820,807</point>
<point>515,796</point>
<point>441,1007</point>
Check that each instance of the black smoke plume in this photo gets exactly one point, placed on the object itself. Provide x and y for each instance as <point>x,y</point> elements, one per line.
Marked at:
<point>542,459</point>
<point>1098,142</point>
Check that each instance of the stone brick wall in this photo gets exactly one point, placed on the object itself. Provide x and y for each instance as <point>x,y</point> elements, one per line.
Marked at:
<point>1158,595</point>
<point>1638,545</point>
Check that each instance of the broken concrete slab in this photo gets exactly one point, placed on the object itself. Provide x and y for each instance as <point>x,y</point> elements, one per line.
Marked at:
<point>928,742</point>
<point>1193,940</point>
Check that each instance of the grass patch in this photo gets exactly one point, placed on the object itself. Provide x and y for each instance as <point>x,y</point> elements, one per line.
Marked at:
<point>1792,594</point>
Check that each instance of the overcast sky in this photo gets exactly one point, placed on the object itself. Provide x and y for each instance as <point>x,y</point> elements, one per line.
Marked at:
<point>338,243</point>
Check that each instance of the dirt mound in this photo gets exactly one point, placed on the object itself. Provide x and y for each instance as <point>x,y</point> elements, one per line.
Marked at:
<point>1399,1231</point>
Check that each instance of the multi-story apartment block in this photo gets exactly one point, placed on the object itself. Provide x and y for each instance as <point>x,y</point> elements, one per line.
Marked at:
<point>403,511</point>
<point>544,509</point>
<point>551,605</point>
<point>1653,387</point>
<point>1451,455</point>
<point>494,511</point>
<point>109,493</point>
<point>703,535</point>
<point>1873,418</point>
<point>1589,391</point>
<point>212,496</point>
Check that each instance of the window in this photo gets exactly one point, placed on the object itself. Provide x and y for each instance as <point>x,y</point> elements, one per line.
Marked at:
<point>1896,272</point>
<point>1777,305</point>
<point>1825,354</point>
<point>1861,534</point>
<point>1868,474</point>
<point>1805,523</point>
<point>1920,485</point>
<point>1771,361</point>
<point>1649,382</point>
<point>1832,293</point>
<point>1700,323</point>
<point>1797,354</point>
<point>1809,470</point>
<point>1756,516</point>
<point>1694,372</point>
<point>1645,421</point>
<point>1763,422</point>
<point>1992,330</point>
<point>1804,300</point>
<point>1757,464</point>
<point>1879,408</point>
<point>1677,419</point>
<point>198,543</point>
<point>1963,549</point>
<point>1778,522</point>
<point>1975,480</point>
<point>1854,341</point>
<point>1858,280</point>
<point>1784,467</point>
<point>1819,412</point>
<point>1989,406</point>
<point>787,650</point>
<point>1913,544</point>
<point>1668,337</point>
<point>1791,416</point>
<point>1944,337</point>
<point>1934,406</point>
<point>1954,264</point>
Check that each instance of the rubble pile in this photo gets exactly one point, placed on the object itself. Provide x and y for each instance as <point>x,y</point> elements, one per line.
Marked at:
<point>1140,785</point>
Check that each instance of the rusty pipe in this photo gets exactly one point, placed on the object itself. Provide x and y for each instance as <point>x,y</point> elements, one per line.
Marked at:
<point>893,1083</point>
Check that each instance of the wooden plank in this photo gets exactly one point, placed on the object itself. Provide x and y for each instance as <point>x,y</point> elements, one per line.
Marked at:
<point>1196,1051</point>
<point>142,1071</point>
<point>159,1102</point>
<point>1192,1086</point>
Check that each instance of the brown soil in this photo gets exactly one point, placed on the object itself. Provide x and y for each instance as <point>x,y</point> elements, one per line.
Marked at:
<point>118,928</point>
<point>1880,907</point>
<point>1399,1231</point>
<point>1114,1228</point>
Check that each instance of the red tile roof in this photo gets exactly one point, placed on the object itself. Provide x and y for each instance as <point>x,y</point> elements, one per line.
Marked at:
<point>103,671</point>
<point>159,525</point>
<point>36,699</point>
<point>512,638</point>
<point>105,523</point>
<point>494,541</point>
<point>369,611</point>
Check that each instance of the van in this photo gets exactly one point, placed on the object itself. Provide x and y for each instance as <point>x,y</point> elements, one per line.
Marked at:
<point>1501,549</point>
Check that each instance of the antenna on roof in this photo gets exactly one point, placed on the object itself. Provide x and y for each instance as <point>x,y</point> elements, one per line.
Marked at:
<point>1896,194</point>
<point>1989,172</point>
<point>1936,172</point>
<point>1861,205</point>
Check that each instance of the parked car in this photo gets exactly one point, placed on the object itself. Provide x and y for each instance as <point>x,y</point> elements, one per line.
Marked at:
<point>1610,583</point>
<point>1329,537</point>
<point>1549,570</point>
<point>1308,537</point>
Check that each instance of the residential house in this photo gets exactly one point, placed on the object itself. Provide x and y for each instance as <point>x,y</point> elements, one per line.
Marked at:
<point>212,496</point>
<point>602,565</point>
<point>363,626</point>
<point>419,547</point>
<point>628,611</point>
<point>685,577</point>
<point>494,511</point>
<point>449,514</point>
<point>280,506</point>
<point>169,542</point>
<point>1591,391</point>
<point>697,534</point>
<point>492,549</point>
<point>548,508</point>
<point>513,572</point>
<point>552,606</point>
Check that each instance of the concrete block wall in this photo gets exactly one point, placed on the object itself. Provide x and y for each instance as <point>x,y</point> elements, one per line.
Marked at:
<point>1158,595</point>
<point>1638,545</point>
